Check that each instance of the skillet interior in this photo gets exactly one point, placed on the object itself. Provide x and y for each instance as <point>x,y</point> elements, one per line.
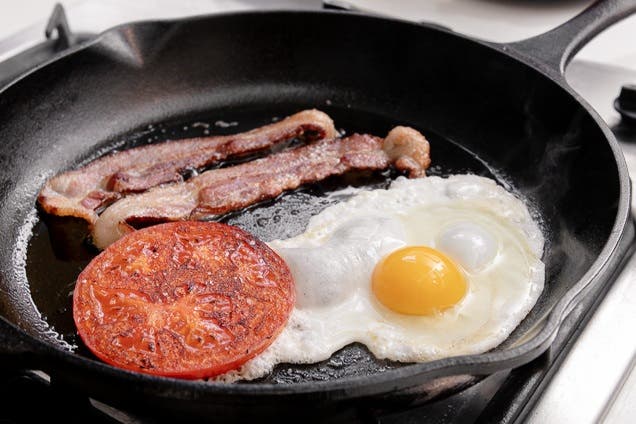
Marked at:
<point>60,243</point>
<point>248,68</point>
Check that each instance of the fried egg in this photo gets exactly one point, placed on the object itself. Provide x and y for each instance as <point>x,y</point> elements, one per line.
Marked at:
<point>429,268</point>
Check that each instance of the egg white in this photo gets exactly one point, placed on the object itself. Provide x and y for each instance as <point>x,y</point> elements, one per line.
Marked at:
<point>489,232</point>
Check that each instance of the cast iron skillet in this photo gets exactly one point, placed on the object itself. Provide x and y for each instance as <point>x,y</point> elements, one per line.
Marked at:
<point>499,110</point>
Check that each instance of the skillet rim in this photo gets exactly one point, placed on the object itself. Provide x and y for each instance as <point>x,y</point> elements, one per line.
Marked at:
<point>412,374</point>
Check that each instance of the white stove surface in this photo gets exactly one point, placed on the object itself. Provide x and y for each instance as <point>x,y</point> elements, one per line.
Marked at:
<point>597,381</point>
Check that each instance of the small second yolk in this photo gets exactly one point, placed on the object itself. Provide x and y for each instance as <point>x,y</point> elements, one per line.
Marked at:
<point>418,280</point>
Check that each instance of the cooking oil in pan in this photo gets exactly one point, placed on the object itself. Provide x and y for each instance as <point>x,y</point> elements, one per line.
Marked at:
<point>59,248</point>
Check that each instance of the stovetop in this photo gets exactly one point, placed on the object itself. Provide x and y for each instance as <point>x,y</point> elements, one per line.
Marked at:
<point>586,376</point>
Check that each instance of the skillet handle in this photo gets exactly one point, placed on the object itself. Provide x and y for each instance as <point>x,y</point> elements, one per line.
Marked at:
<point>553,50</point>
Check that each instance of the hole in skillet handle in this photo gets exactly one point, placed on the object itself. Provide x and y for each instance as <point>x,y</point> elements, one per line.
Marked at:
<point>58,23</point>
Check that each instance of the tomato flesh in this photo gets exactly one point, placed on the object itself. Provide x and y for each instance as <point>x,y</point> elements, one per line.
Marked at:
<point>183,299</point>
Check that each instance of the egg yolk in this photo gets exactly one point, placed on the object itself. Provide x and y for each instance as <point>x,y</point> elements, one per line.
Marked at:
<point>418,280</point>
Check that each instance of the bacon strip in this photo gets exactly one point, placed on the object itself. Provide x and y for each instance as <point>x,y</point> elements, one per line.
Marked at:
<point>81,192</point>
<point>223,190</point>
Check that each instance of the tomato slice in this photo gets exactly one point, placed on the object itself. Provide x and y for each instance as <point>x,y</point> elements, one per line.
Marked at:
<point>183,299</point>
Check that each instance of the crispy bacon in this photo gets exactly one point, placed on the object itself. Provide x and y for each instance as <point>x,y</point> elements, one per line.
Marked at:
<point>219,191</point>
<point>81,192</point>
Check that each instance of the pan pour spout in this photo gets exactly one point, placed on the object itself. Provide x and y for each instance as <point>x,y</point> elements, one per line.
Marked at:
<point>81,192</point>
<point>220,191</point>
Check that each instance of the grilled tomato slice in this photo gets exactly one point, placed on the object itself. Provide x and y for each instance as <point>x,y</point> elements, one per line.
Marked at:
<point>183,299</point>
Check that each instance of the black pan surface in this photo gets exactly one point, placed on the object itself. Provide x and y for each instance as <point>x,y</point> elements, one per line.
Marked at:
<point>61,243</point>
<point>485,111</point>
